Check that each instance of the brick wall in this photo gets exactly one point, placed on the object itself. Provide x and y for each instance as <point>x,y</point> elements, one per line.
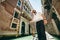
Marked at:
<point>5,19</point>
<point>9,5</point>
<point>6,13</point>
<point>56,4</point>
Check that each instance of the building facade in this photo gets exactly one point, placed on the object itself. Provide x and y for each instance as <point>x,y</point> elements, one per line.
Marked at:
<point>52,13</point>
<point>14,17</point>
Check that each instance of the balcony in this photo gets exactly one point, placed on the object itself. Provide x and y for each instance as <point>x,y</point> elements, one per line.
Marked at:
<point>27,4</point>
<point>27,14</point>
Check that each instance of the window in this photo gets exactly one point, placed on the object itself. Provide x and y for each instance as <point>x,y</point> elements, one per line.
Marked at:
<point>16,15</point>
<point>54,16</point>
<point>14,25</point>
<point>26,9</point>
<point>18,3</point>
<point>57,21</point>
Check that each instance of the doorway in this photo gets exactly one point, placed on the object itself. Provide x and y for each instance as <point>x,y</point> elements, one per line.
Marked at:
<point>23,28</point>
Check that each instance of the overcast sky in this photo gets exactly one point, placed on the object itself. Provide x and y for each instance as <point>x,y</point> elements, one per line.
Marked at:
<point>36,4</point>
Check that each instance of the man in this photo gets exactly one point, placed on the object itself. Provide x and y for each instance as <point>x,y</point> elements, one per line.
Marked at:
<point>40,21</point>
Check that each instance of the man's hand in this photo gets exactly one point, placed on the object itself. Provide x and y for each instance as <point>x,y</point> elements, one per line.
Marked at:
<point>31,21</point>
<point>45,22</point>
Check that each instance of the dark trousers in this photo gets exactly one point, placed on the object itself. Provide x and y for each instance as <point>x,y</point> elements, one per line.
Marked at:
<point>40,30</point>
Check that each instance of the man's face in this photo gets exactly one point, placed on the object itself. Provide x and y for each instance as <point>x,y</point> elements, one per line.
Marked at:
<point>34,11</point>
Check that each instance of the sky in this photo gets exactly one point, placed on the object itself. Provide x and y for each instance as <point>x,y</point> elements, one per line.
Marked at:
<point>36,4</point>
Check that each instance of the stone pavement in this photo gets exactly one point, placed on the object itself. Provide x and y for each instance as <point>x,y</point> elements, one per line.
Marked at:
<point>49,37</point>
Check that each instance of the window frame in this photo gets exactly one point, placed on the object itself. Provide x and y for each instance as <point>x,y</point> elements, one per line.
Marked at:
<point>18,2</point>
<point>14,15</point>
<point>12,25</point>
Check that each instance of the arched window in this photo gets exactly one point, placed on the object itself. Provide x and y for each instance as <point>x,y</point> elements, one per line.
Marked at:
<point>23,28</point>
<point>57,21</point>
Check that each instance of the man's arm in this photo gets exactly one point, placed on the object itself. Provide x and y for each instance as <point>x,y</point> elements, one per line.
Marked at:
<point>44,19</point>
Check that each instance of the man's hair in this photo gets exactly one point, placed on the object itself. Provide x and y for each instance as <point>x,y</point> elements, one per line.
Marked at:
<point>33,11</point>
